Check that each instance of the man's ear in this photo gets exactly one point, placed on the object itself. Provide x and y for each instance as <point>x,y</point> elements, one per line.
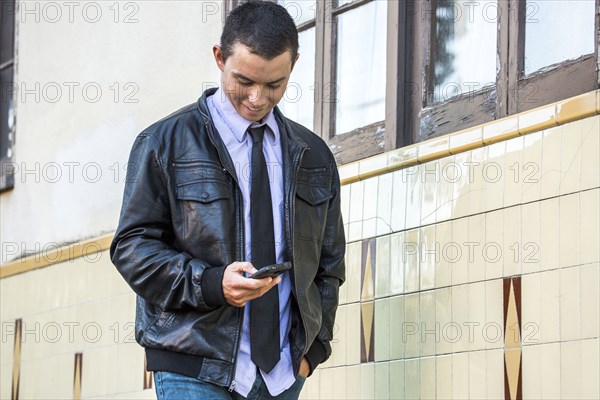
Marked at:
<point>218,54</point>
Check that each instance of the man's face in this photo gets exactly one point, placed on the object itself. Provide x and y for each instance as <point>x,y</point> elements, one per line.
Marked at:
<point>254,85</point>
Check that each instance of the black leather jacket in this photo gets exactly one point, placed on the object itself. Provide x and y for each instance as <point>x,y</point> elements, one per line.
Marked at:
<point>182,223</point>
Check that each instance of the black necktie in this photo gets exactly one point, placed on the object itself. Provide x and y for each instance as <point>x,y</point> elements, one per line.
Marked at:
<point>264,311</point>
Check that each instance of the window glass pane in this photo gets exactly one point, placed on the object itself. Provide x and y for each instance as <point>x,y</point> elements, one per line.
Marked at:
<point>298,102</point>
<point>463,48</point>
<point>556,31</point>
<point>342,2</point>
<point>361,61</point>
<point>300,10</point>
<point>7,19</point>
<point>6,110</point>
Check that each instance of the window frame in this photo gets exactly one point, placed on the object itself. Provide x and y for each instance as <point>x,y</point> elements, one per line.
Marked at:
<point>513,89</point>
<point>7,179</point>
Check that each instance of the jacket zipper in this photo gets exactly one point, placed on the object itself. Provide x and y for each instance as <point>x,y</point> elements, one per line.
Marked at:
<point>241,255</point>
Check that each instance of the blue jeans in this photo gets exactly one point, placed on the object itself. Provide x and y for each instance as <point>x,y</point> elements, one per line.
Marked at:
<point>171,386</point>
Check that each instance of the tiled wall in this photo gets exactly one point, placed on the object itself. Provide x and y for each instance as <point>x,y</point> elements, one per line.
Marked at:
<point>469,276</point>
<point>474,275</point>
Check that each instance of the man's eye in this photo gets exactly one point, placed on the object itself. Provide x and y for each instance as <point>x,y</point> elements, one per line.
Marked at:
<point>275,86</point>
<point>245,83</point>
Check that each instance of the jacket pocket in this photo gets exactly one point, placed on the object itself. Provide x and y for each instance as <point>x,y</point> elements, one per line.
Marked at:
<point>311,212</point>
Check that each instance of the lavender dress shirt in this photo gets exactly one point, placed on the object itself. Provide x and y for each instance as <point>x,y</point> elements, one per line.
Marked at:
<point>233,131</point>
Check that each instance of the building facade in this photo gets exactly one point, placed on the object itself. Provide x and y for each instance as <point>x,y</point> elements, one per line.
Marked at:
<point>468,141</point>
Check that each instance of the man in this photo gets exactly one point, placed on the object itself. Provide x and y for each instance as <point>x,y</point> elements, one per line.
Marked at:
<point>216,191</point>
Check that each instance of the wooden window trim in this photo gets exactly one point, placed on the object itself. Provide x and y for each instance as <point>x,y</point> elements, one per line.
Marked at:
<point>555,82</point>
<point>7,179</point>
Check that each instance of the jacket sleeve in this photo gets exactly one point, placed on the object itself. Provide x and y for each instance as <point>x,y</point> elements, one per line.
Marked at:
<point>140,249</point>
<point>330,275</point>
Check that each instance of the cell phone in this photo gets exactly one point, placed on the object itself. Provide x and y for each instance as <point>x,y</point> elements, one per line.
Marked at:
<point>271,271</point>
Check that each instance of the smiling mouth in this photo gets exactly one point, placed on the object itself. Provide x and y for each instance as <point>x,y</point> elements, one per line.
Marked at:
<point>252,109</point>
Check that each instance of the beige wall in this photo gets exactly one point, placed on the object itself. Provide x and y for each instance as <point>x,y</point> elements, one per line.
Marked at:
<point>421,316</point>
<point>147,59</point>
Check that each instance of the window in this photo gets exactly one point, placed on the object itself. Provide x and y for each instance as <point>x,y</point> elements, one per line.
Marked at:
<point>386,74</point>
<point>7,62</point>
<point>476,61</point>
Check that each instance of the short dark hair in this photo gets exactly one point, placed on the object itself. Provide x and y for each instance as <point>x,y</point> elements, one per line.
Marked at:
<point>265,27</point>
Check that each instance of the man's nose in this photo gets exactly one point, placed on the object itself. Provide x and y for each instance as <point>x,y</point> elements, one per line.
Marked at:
<point>255,94</point>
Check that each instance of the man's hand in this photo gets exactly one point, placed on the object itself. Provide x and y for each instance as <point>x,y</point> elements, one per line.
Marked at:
<point>304,368</point>
<point>238,290</point>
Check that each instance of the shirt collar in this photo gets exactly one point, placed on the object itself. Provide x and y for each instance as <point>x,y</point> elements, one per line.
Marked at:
<point>238,124</point>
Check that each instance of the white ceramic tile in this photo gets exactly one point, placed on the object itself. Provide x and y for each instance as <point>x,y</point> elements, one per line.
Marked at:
<point>455,331</point>
<point>549,317</point>
<point>413,196</point>
<point>493,175</point>
<point>477,197</point>
<point>411,264</point>
<point>460,376</point>
<point>492,250</point>
<point>494,314</point>
<point>477,374</point>
<point>411,335</point>
<point>397,327</point>
<point>369,215</point>
<point>367,381</point>
<point>353,334</point>
<point>353,382</point>
<point>589,285</point>
<point>443,269</point>
<point>550,242</point>
<point>530,237</point>
<point>345,203</point>
<point>532,166</point>
<point>570,160</point>
<point>443,377</point>
<point>550,371</point>
<point>569,230</point>
<point>427,378</point>
<point>430,177</point>
<point>570,370</point>
<point>458,253</point>
<point>382,267</point>
<point>397,379</point>
<point>531,364</point>
<point>384,204</point>
<point>569,304</point>
<point>495,374</point>
<point>460,197</point>
<point>399,200</point>
<point>429,254</point>
<point>531,309</point>
<point>429,332</point>
<point>339,383</point>
<point>590,153</point>
<point>512,249</point>
<point>550,178</point>
<point>590,369</point>
<point>443,317</point>
<point>513,162</point>
<point>476,319</point>
<point>353,271</point>
<point>397,259</point>
<point>382,329</point>
<point>475,247</point>
<point>382,380</point>
<point>338,343</point>
<point>326,383</point>
<point>355,222</point>
<point>589,226</point>
<point>445,190</point>
<point>411,379</point>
